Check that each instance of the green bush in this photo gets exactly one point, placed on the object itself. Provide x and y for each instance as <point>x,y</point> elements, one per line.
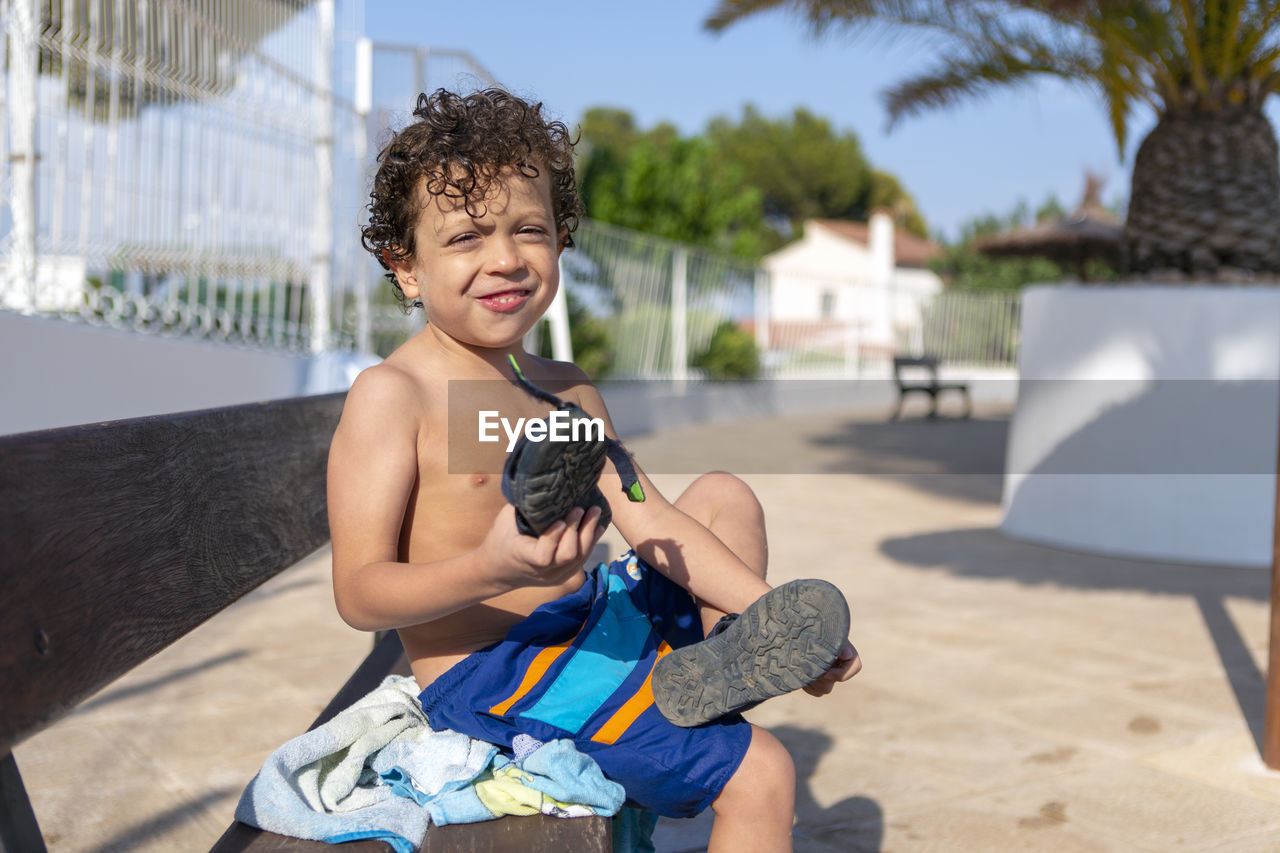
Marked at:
<point>589,337</point>
<point>731,354</point>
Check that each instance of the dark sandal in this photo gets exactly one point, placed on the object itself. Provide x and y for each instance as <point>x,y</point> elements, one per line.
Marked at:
<point>784,641</point>
<point>545,480</point>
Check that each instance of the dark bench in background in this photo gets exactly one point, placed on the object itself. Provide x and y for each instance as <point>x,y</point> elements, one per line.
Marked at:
<point>905,371</point>
<point>118,539</point>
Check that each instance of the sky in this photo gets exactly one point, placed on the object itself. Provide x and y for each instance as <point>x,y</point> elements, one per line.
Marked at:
<point>657,61</point>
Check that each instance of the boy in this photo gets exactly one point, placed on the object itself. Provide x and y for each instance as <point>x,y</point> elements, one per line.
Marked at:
<point>472,205</point>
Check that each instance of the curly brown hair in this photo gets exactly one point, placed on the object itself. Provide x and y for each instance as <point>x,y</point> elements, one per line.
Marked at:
<point>460,144</point>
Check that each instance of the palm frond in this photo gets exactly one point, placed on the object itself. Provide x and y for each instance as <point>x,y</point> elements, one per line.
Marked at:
<point>1260,24</point>
<point>961,77</point>
<point>732,11</point>
<point>1191,30</point>
<point>1229,39</point>
<point>970,23</point>
<point>1166,53</point>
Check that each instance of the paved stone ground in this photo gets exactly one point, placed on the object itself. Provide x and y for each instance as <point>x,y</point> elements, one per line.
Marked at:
<point>1014,697</point>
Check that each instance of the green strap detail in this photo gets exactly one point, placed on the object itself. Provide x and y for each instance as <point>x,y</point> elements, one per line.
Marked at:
<point>635,493</point>
<point>511,358</point>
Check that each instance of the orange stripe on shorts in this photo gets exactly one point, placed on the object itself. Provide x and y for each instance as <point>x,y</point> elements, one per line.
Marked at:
<point>617,725</point>
<point>537,668</point>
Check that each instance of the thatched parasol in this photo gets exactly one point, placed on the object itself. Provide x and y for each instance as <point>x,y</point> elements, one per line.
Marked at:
<point>1091,232</point>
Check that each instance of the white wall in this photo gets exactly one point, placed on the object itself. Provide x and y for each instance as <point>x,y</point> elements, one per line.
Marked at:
<point>824,262</point>
<point>802,271</point>
<point>59,373</point>
<point>1147,422</point>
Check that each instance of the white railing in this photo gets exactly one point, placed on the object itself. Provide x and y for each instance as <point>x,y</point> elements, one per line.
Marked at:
<point>176,166</point>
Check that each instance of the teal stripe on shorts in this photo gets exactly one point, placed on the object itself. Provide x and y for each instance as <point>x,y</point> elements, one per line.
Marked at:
<point>602,661</point>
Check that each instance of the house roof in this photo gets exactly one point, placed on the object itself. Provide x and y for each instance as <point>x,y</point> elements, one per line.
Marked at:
<point>908,249</point>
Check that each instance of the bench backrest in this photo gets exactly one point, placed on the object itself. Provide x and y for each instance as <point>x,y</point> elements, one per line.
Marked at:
<point>117,539</point>
<point>916,365</point>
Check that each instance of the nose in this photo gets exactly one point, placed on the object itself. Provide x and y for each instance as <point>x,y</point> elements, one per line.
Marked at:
<point>504,256</point>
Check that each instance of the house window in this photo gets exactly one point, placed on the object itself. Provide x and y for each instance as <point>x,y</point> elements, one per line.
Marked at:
<point>828,304</point>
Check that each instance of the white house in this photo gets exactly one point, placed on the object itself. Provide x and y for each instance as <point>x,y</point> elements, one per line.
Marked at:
<point>865,281</point>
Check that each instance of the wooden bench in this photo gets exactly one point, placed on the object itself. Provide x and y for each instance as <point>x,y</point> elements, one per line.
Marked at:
<point>117,539</point>
<point>929,384</point>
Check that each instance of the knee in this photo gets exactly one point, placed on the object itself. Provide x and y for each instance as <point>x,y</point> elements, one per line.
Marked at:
<point>720,488</point>
<point>765,781</point>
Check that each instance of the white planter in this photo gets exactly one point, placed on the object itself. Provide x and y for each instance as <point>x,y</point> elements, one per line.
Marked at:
<point>1147,422</point>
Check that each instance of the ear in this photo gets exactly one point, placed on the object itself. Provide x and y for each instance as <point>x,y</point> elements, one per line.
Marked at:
<point>562,241</point>
<point>405,275</point>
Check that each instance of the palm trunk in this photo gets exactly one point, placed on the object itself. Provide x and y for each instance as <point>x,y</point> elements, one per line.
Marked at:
<point>1205,198</point>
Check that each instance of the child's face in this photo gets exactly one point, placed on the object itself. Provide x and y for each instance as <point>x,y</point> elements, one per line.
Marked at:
<point>485,280</point>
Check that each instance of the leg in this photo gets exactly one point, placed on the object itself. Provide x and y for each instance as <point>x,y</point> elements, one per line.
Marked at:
<point>727,507</point>
<point>756,809</point>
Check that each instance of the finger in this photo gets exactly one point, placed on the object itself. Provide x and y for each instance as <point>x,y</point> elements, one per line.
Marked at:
<point>821,687</point>
<point>548,543</point>
<point>567,545</point>
<point>589,531</point>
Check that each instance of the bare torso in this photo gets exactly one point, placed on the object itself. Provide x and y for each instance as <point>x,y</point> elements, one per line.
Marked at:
<point>453,504</point>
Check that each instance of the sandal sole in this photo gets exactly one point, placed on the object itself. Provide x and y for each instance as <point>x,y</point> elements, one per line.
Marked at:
<point>781,643</point>
<point>545,480</point>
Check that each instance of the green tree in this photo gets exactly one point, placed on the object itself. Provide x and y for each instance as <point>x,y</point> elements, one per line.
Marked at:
<point>804,169</point>
<point>745,187</point>
<point>1205,192</point>
<point>676,188</point>
<point>588,336</point>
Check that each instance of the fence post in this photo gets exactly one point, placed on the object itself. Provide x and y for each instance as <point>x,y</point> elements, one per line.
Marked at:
<point>679,318</point>
<point>558,321</point>
<point>762,305</point>
<point>322,221</point>
<point>364,105</point>
<point>23,59</point>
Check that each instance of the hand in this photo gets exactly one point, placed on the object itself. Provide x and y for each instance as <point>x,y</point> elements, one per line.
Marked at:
<point>846,666</point>
<point>548,560</point>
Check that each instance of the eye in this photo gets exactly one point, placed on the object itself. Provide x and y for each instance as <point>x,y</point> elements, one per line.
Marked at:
<point>463,239</point>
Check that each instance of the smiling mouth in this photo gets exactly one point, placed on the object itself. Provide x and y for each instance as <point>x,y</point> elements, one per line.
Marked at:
<point>506,300</point>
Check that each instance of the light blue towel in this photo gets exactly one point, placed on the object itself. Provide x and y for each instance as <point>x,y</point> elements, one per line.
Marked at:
<point>325,785</point>
<point>557,769</point>
<point>378,770</point>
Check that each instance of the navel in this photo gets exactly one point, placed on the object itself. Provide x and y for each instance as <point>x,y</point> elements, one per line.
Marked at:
<point>478,480</point>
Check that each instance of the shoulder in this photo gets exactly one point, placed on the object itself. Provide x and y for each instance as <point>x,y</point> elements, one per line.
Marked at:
<point>383,386</point>
<point>383,398</point>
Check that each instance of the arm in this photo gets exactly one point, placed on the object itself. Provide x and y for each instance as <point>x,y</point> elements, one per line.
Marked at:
<point>670,541</point>
<point>373,463</point>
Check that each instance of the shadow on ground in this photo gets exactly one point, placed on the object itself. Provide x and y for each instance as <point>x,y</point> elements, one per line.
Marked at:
<point>985,553</point>
<point>956,457</point>
<point>855,824</point>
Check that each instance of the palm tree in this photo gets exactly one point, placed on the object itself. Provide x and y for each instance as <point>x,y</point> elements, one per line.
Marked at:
<point>1205,194</point>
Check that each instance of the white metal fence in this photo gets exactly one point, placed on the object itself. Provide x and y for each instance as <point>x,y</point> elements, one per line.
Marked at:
<point>660,303</point>
<point>180,166</point>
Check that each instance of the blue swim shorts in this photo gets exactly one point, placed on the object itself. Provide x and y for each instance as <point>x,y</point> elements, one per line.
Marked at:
<point>580,668</point>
